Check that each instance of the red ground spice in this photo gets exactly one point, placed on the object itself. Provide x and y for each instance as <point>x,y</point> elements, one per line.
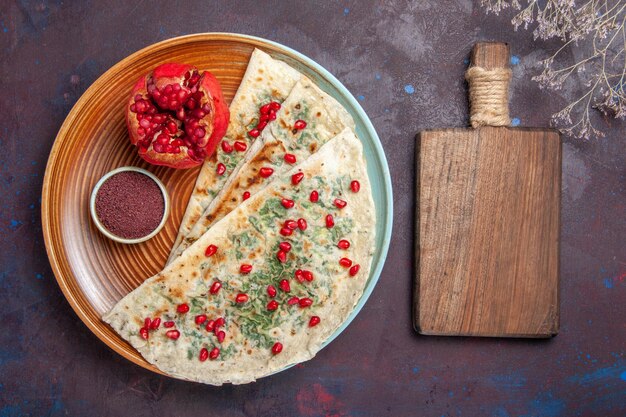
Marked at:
<point>130,205</point>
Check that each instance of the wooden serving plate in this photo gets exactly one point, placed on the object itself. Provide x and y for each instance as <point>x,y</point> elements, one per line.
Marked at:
<point>95,272</point>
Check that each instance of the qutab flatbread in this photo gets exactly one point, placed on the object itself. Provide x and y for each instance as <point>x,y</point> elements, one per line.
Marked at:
<point>266,79</point>
<point>251,237</point>
<point>324,118</point>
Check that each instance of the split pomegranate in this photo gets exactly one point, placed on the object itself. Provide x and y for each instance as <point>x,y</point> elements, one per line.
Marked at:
<point>176,115</point>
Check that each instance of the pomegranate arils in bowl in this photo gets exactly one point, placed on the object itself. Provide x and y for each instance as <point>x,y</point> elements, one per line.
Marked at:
<point>176,115</point>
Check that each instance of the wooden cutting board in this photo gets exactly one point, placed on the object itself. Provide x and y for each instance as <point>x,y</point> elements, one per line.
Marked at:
<point>487,244</point>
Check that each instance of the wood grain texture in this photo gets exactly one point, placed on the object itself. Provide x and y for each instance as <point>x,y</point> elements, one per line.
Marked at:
<point>488,231</point>
<point>95,272</point>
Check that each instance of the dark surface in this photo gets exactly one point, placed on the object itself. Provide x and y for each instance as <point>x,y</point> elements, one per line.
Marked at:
<point>404,61</point>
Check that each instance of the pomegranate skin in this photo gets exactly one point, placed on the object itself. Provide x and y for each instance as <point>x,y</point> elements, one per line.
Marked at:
<point>176,116</point>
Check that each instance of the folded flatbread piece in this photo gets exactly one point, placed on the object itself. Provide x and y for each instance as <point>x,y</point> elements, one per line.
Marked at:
<point>251,235</point>
<point>266,79</point>
<point>325,118</point>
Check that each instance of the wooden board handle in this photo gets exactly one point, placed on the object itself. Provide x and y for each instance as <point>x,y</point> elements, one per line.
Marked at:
<point>488,77</point>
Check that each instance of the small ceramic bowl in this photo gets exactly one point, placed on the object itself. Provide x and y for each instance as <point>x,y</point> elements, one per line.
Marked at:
<point>104,230</point>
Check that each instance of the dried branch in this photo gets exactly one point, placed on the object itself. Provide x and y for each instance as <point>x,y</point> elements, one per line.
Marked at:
<point>594,25</point>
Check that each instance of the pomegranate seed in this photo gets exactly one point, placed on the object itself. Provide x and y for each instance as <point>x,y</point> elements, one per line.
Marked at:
<point>340,203</point>
<point>219,322</point>
<point>221,169</point>
<point>262,124</point>
<point>330,222</point>
<point>221,335</point>
<point>272,305</point>
<point>147,322</point>
<point>343,244</point>
<point>305,302</point>
<point>173,334</point>
<point>272,115</point>
<point>290,224</point>
<point>293,300</point>
<point>266,172</point>
<point>204,354</point>
<point>285,246</point>
<point>287,203</point>
<point>264,118</point>
<point>182,308</point>
<point>299,275</point>
<point>241,298</point>
<point>296,178</point>
<point>215,287</point>
<point>210,250</point>
<point>345,262</point>
<point>271,291</point>
<point>284,285</point>
<point>314,321</point>
<point>355,186</point>
<point>155,324</point>
<point>264,109</point>
<point>210,325</point>
<point>314,196</point>
<point>285,231</point>
<point>277,348</point>
<point>169,324</point>
<point>246,195</point>
<point>143,332</point>
<point>274,105</point>
<point>240,146</point>
<point>281,256</point>
<point>201,318</point>
<point>299,124</point>
<point>308,275</point>
<point>302,224</point>
<point>245,268</point>
<point>254,133</point>
<point>290,158</point>
<point>354,270</point>
<point>226,147</point>
<point>215,352</point>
